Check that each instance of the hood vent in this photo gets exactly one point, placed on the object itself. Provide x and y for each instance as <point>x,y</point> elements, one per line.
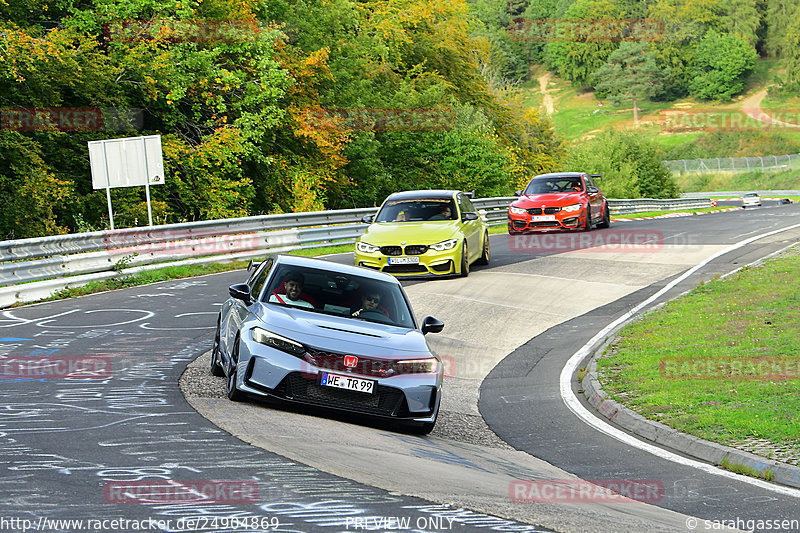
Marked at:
<point>353,332</point>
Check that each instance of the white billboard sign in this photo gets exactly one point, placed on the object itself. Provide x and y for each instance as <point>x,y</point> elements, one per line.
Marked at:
<point>129,162</point>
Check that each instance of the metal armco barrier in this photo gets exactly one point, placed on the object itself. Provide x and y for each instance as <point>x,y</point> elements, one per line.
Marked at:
<point>648,204</point>
<point>69,260</point>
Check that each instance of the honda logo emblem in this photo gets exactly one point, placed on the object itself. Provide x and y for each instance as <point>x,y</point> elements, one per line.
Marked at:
<point>350,361</point>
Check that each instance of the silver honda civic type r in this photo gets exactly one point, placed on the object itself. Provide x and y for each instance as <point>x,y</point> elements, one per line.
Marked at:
<point>334,336</point>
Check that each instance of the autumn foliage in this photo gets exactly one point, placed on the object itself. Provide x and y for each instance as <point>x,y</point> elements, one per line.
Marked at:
<point>240,92</point>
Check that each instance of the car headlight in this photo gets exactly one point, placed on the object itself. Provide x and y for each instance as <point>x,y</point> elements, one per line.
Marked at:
<point>417,366</point>
<point>444,245</point>
<point>366,247</point>
<point>571,208</point>
<point>516,210</point>
<point>273,340</point>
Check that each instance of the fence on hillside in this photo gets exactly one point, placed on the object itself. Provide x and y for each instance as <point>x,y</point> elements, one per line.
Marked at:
<point>767,163</point>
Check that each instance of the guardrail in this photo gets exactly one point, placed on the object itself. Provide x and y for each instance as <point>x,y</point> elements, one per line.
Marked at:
<point>619,207</point>
<point>76,259</point>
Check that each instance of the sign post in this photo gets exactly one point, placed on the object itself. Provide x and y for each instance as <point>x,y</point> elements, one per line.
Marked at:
<point>128,162</point>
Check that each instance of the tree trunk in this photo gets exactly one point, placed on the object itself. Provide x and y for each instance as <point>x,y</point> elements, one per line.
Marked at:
<point>635,111</point>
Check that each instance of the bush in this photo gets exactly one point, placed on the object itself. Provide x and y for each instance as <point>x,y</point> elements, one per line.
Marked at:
<point>720,65</point>
<point>629,162</point>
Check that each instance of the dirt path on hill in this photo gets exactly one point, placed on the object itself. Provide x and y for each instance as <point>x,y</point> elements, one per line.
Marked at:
<point>547,98</point>
<point>751,106</point>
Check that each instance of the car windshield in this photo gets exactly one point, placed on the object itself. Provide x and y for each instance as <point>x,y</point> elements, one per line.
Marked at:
<point>551,184</point>
<point>417,210</point>
<point>334,293</point>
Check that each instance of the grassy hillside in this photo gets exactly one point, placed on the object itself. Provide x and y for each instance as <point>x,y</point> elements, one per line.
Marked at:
<point>578,115</point>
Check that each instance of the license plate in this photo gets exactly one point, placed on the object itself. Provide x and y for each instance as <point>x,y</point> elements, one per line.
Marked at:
<point>347,383</point>
<point>543,218</point>
<point>404,260</point>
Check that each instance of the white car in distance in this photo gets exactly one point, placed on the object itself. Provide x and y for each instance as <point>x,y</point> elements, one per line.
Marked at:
<point>751,199</point>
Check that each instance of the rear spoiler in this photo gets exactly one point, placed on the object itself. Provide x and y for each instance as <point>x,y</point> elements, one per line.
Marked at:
<point>596,175</point>
<point>470,194</point>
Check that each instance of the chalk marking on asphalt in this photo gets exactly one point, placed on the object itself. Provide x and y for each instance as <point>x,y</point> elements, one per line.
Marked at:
<point>574,404</point>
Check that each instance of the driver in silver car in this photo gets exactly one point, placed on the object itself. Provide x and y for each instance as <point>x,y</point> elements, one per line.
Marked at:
<point>370,301</point>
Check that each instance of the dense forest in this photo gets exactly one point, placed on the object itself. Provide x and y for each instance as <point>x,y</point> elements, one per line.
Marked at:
<point>269,106</point>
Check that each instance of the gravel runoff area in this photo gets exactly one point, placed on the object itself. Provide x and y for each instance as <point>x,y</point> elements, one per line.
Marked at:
<point>198,382</point>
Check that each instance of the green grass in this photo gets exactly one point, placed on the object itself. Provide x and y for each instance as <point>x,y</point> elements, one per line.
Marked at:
<point>767,475</point>
<point>721,363</point>
<point>739,181</point>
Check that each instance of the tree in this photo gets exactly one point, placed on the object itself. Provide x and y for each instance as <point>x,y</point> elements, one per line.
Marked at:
<point>743,19</point>
<point>720,64</point>
<point>630,74</point>
<point>780,15</point>
<point>587,43</point>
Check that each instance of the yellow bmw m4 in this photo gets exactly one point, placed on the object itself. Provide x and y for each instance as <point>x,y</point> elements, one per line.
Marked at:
<point>427,233</point>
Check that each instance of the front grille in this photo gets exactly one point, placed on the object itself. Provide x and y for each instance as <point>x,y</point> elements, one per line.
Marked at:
<point>545,224</point>
<point>334,362</point>
<point>385,401</point>
<point>416,249</point>
<point>519,224</point>
<point>391,250</point>
<point>405,269</point>
<point>547,210</point>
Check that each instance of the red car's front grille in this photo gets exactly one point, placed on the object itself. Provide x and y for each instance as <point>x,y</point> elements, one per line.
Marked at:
<point>547,210</point>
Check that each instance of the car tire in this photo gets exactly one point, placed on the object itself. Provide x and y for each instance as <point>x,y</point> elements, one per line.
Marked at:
<point>464,261</point>
<point>216,367</point>
<point>606,218</point>
<point>587,225</point>
<point>234,394</point>
<point>484,259</point>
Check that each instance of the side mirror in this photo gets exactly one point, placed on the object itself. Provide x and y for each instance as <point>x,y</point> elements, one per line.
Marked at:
<point>241,291</point>
<point>469,216</point>
<point>518,193</point>
<point>431,325</point>
<point>367,219</point>
<point>592,190</point>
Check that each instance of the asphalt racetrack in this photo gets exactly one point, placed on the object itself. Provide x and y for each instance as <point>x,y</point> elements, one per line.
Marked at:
<point>127,444</point>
